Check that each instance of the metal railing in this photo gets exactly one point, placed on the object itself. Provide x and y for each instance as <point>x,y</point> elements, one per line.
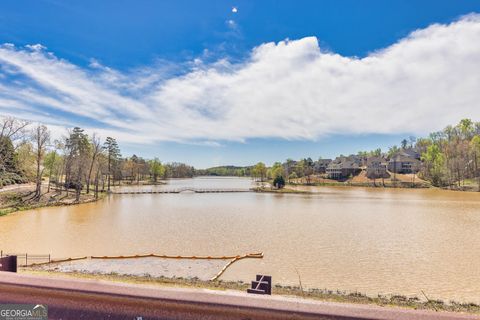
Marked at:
<point>25,259</point>
<point>179,190</point>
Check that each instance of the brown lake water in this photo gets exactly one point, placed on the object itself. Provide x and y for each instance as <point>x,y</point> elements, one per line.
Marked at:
<point>371,240</point>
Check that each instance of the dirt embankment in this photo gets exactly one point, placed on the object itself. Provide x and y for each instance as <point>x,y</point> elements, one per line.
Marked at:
<point>22,197</point>
<point>361,180</point>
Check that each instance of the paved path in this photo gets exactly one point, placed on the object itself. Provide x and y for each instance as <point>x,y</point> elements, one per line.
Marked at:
<point>93,299</point>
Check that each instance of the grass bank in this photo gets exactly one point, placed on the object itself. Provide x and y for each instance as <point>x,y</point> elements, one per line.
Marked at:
<point>13,201</point>
<point>316,294</point>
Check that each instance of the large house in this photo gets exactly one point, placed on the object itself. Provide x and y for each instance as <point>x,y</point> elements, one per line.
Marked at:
<point>377,168</point>
<point>320,166</point>
<point>403,163</point>
<point>411,153</point>
<point>342,168</point>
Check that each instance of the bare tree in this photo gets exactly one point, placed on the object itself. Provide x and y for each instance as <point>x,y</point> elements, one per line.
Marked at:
<point>12,128</point>
<point>101,169</point>
<point>40,137</point>
<point>96,149</point>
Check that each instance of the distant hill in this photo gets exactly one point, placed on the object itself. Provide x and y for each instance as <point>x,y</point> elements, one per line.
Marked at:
<point>224,171</point>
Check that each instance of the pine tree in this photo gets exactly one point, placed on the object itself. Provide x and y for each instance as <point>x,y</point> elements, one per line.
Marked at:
<point>78,147</point>
<point>113,155</point>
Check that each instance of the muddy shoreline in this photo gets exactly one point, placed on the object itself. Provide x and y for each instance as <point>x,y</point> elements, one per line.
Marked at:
<point>397,300</point>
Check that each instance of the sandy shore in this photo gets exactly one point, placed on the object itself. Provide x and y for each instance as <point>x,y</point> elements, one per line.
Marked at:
<point>147,267</point>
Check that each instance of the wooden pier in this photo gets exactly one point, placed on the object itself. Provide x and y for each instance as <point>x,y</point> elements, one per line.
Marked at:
<point>180,190</point>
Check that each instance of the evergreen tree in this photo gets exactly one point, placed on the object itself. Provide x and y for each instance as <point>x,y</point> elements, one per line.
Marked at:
<point>279,182</point>
<point>113,155</point>
<point>78,148</point>
<point>8,161</point>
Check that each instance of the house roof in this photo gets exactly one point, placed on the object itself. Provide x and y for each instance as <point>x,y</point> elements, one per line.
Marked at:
<point>402,158</point>
<point>408,153</point>
<point>343,164</point>
<point>372,160</point>
<point>323,162</point>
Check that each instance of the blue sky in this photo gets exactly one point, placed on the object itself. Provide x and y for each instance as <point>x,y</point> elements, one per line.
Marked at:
<point>197,82</point>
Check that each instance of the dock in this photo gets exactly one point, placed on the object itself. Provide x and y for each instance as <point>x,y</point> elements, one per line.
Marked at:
<point>180,190</point>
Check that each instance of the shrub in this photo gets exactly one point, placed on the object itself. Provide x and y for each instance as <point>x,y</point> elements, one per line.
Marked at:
<point>279,182</point>
<point>72,185</point>
<point>9,178</point>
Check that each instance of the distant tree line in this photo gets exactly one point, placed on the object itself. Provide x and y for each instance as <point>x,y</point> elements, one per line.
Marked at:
<point>287,171</point>
<point>452,156</point>
<point>77,161</point>
<point>232,171</point>
<point>73,163</point>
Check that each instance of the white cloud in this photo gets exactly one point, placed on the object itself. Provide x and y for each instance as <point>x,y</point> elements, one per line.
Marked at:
<point>35,47</point>
<point>291,90</point>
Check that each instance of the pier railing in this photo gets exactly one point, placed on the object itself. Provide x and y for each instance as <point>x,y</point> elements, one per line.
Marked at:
<point>185,189</point>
